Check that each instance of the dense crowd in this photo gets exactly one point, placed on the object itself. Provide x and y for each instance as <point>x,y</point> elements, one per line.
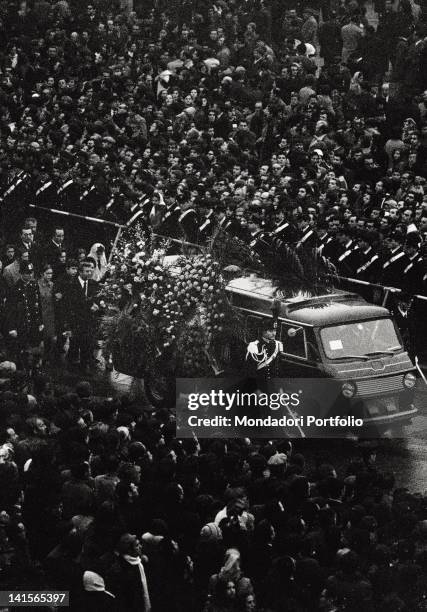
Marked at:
<point>281,125</point>
<point>197,117</point>
<point>99,498</point>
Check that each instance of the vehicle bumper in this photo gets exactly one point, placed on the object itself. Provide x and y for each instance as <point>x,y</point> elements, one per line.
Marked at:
<point>401,417</point>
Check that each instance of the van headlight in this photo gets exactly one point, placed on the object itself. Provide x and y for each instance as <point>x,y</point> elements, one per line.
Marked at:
<point>409,380</point>
<point>348,389</point>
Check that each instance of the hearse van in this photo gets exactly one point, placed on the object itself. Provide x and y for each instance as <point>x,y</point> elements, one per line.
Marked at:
<point>337,336</point>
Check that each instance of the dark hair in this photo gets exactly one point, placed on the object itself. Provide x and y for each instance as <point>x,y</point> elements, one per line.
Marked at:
<point>89,261</point>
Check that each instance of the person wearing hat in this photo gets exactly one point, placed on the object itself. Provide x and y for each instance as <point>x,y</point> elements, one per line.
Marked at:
<point>207,220</point>
<point>396,262</point>
<point>23,317</point>
<point>370,262</point>
<point>263,353</point>
<point>95,597</point>
<point>414,271</point>
<point>189,222</point>
<point>349,259</point>
<point>307,236</point>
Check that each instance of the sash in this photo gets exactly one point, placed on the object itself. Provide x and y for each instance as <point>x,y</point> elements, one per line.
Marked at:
<point>367,264</point>
<point>185,213</point>
<point>393,259</point>
<point>277,349</point>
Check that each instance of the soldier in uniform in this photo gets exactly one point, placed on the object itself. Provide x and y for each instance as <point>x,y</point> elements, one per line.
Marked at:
<point>349,260</point>
<point>284,232</point>
<point>307,236</point>
<point>45,191</point>
<point>330,245</point>
<point>68,194</point>
<point>189,222</point>
<point>396,262</point>
<point>207,222</point>
<point>260,242</point>
<point>263,353</point>
<point>225,220</point>
<point>370,262</point>
<point>23,318</point>
<point>414,271</point>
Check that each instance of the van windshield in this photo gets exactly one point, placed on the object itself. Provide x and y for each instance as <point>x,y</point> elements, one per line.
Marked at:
<point>363,339</point>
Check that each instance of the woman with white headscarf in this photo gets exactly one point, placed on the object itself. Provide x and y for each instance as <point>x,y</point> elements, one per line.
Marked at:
<point>95,597</point>
<point>97,254</point>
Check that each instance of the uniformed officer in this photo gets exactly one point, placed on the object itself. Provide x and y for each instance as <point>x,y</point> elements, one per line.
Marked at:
<point>283,230</point>
<point>414,271</point>
<point>349,259</point>
<point>224,219</point>
<point>23,317</point>
<point>168,224</point>
<point>307,236</point>
<point>263,354</point>
<point>260,242</point>
<point>330,245</point>
<point>370,262</point>
<point>45,191</point>
<point>396,261</point>
<point>207,222</point>
<point>189,222</point>
<point>68,194</point>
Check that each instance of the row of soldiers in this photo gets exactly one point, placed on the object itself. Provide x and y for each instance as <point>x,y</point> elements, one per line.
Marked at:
<point>82,195</point>
<point>395,259</point>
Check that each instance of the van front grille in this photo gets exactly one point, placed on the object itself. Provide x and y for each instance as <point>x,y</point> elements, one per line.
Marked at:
<point>377,386</point>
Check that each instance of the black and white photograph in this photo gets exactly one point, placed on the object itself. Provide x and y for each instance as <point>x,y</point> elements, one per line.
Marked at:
<point>213,305</point>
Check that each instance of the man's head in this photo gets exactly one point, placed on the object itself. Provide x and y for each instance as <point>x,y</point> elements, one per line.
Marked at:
<point>86,270</point>
<point>269,331</point>
<point>27,236</point>
<point>129,545</point>
<point>412,244</point>
<point>10,253</point>
<point>58,235</point>
<point>31,223</point>
<point>394,240</point>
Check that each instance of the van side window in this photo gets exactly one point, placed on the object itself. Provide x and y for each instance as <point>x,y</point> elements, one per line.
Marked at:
<point>293,344</point>
<point>253,328</point>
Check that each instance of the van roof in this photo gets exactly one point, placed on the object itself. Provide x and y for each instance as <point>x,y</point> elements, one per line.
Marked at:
<point>258,294</point>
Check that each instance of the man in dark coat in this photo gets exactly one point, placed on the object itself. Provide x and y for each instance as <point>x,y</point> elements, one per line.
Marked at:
<point>81,306</point>
<point>396,261</point>
<point>415,269</point>
<point>51,252</point>
<point>23,317</point>
<point>330,39</point>
<point>126,578</point>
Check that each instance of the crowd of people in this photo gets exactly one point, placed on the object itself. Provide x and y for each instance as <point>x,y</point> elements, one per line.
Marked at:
<point>100,499</point>
<point>282,124</point>
<point>197,117</point>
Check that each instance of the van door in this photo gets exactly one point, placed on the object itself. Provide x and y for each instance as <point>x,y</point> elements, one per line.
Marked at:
<point>294,358</point>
